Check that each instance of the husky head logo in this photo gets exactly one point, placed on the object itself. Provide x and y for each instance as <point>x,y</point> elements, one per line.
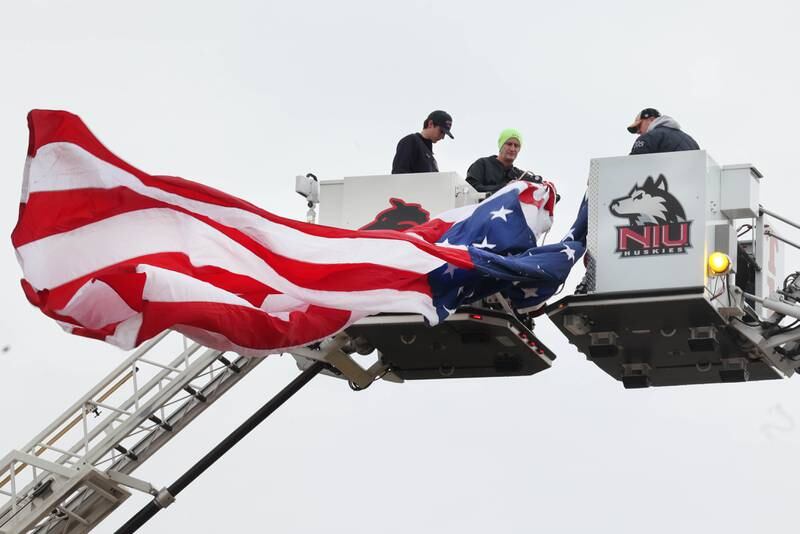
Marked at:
<point>400,216</point>
<point>650,203</point>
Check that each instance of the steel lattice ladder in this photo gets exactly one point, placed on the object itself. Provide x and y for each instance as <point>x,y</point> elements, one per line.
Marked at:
<point>77,470</point>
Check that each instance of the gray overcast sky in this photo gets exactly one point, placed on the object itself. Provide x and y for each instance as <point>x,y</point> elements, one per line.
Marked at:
<point>245,95</point>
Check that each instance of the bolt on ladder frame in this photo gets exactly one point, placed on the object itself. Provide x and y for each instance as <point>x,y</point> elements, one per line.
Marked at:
<point>77,470</point>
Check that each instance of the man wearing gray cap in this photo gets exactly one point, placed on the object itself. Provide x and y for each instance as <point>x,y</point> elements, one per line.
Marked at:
<point>659,133</point>
<point>415,151</point>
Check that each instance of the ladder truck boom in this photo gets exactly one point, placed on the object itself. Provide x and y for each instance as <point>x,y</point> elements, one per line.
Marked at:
<point>78,469</point>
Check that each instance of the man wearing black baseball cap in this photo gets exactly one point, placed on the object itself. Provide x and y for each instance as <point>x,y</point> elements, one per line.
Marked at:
<point>415,151</point>
<point>659,133</point>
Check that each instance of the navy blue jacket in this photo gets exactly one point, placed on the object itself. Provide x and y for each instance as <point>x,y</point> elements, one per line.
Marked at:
<point>664,136</point>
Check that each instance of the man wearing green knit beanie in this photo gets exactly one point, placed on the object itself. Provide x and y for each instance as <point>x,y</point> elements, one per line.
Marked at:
<point>507,134</point>
<point>491,173</point>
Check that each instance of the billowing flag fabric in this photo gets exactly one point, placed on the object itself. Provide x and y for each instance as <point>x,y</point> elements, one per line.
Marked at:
<point>113,253</point>
<point>501,235</point>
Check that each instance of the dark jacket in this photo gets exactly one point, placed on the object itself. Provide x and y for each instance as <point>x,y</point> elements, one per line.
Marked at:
<point>487,175</point>
<point>664,135</point>
<point>414,154</point>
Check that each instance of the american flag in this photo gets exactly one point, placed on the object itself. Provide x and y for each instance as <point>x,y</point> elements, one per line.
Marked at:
<point>115,254</point>
<point>502,235</point>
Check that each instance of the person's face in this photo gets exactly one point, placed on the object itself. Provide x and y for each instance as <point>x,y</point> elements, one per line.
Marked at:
<point>509,150</point>
<point>436,132</point>
<point>644,125</point>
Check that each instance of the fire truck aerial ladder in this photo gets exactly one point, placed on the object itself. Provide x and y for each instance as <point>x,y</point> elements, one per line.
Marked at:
<point>684,285</point>
<point>75,472</point>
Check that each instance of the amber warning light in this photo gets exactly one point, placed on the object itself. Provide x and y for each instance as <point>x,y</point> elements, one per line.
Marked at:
<point>718,264</point>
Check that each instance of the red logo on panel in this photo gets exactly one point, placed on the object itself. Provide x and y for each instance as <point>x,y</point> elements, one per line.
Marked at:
<point>401,216</point>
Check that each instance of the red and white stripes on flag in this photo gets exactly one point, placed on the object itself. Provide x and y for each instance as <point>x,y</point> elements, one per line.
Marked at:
<point>115,254</point>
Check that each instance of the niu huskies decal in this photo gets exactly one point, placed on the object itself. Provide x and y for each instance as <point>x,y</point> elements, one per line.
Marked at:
<point>400,216</point>
<point>656,221</point>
